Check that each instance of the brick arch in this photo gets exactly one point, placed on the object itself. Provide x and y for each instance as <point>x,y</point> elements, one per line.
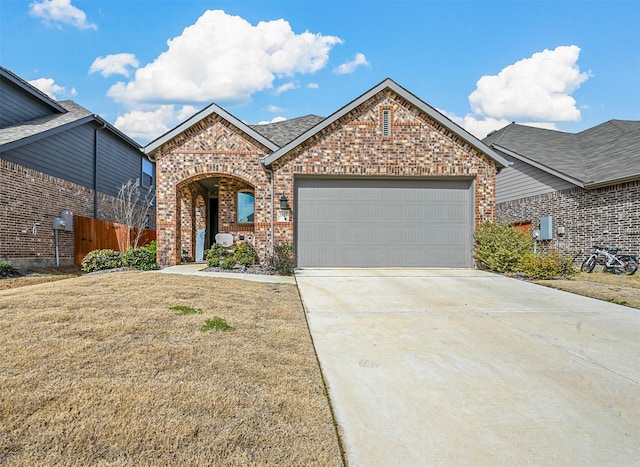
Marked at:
<point>177,238</point>
<point>190,178</point>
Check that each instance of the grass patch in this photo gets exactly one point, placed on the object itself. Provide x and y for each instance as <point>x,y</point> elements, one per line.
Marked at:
<point>186,310</point>
<point>39,275</point>
<point>105,376</point>
<point>619,289</point>
<point>217,324</point>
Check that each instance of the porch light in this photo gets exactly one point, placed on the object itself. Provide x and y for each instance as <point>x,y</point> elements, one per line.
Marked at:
<point>284,203</point>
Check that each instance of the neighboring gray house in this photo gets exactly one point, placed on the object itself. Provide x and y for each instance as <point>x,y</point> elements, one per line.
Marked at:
<point>588,183</point>
<point>54,157</point>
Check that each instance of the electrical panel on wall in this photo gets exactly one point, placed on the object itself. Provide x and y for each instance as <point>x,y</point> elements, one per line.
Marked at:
<point>546,228</point>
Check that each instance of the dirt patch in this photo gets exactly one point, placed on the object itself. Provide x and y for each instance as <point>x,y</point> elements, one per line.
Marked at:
<point>621,289</point>
<point>98,370</point>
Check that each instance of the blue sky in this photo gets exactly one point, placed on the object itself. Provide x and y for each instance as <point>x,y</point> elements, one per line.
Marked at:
<point>145,66</point>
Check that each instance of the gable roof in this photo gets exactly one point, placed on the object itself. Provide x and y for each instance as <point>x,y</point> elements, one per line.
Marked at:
<point>411,98</point>
<point>66,115</point>
<point>605,154</point>
<point>201,115</point>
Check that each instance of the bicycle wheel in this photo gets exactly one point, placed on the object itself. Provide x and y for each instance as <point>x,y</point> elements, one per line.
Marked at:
<point>630,264</point>
<point>589,263</point>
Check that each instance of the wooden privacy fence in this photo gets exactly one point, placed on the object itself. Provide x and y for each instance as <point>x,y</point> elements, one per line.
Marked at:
<point>94,234</point>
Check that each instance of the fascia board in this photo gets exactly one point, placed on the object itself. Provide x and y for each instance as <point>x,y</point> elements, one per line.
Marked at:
<point>599,184</point>
<point>402,92</point>
<point>538,165</point>
<point>202,114</point>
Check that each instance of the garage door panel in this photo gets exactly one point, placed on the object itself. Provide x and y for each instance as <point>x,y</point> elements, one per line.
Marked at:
<point>383,223</point>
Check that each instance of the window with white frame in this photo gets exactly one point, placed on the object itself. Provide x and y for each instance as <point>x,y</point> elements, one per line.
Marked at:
<point>246,203</point>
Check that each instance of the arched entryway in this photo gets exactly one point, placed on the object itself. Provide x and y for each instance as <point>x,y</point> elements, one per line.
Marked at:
<point>213,203</point>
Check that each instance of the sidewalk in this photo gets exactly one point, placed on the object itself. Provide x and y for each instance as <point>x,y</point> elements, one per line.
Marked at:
<point>196,269</point>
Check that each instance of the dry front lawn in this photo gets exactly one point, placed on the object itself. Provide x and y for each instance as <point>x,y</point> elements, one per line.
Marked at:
<point>97,370</point>
<point>621,289</point>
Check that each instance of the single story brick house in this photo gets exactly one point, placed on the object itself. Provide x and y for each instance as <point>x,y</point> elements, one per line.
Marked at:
<point>385,181</point>
<point>586,185</point>
<point>55,157</point>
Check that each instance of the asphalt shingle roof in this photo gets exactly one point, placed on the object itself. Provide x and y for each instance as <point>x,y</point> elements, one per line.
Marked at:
<point>286,131</point>
<point>602,154</point>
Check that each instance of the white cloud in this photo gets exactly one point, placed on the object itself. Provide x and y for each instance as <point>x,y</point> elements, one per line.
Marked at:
<point>313,85</point>
<point>273,120</point>
<point>534,91</point>
<point>59,12</point>
<point>350,66</point>
<point>115,64</point>
<point>286,87</point>
<point>274,109</point>
<point>50,88</point>
<point>146,125</point>
<point>537,88</point>
<point>240,59</point>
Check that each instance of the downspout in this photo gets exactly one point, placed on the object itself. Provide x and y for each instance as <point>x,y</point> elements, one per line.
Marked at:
<point>271,178</point>
<point>95,167</point>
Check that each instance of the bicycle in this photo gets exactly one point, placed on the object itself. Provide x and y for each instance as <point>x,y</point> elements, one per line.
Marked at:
<point>611,260</point>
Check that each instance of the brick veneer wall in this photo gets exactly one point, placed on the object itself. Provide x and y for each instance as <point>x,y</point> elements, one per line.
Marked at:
<point>611,214</point>
<point>211,148</point>
<point>352,146</point>
<point>29,196</point>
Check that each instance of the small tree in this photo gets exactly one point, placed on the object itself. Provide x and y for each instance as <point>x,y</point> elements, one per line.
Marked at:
<point>131,210</point>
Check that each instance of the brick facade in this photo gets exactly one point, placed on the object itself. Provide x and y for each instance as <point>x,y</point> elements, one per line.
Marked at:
<point>29,202</point>
<point>417,147</point>
<point>353,145</point>
<point>610,214</point>
<point>211,148</point>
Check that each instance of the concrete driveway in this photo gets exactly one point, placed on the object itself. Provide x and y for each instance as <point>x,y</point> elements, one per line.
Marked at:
<point>464,367</point>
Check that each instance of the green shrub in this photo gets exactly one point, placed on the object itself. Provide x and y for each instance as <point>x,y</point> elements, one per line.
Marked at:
<point>152,247</point>
<point>547,265</point>
<point>6,268</point>
<point>499,247</point>
<point>99,260</point>
<point>281,261</point>
<point>217,323</point>
<point>244,254</point>
<point>216,254</point>
<point>227,263</point>
<point>143,258</point>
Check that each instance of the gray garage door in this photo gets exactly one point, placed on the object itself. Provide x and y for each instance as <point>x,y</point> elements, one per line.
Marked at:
<point>383,223</point>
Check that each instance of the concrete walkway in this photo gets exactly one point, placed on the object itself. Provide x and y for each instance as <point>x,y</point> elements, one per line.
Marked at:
<point>196,269</point>
<point>464,367</point>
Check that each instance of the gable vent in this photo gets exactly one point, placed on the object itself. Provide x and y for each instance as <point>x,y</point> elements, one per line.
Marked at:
<point>386,123</point>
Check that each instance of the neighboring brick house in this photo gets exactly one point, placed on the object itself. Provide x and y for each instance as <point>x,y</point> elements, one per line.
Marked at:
<point>56,156</point>
<point>588,183</point>
<point>385,181</point>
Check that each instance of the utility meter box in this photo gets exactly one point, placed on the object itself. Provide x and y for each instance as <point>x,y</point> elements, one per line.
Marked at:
<point>546,228</point>
<point>68,220</point>
<point>58,223</point>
